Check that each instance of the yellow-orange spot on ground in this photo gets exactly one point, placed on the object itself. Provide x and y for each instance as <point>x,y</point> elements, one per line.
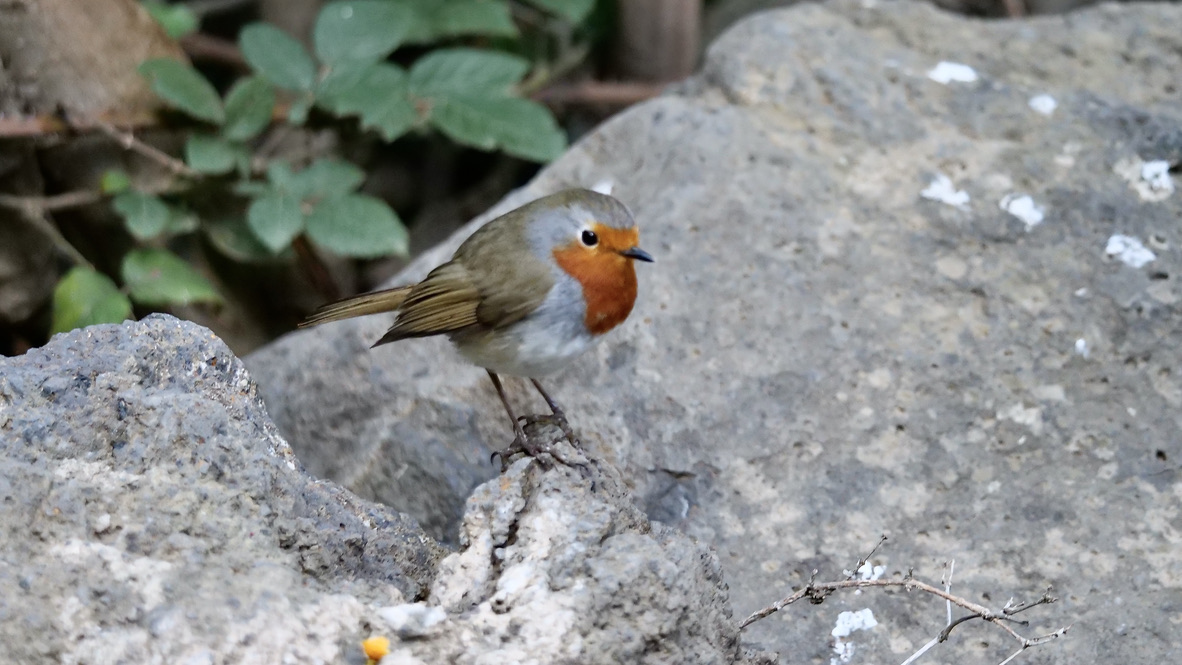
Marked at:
<point>376,648</point>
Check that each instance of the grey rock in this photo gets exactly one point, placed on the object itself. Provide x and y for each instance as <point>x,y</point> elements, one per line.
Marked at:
<point>821,354</point>
<point>558,567</point>
<point>152,513</point>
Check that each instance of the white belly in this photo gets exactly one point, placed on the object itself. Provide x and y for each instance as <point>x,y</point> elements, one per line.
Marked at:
<point>531,348</point>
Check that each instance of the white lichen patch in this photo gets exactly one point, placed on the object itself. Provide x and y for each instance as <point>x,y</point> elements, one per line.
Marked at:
<point>1024,208</point>
<point>942,190</point>
<point>1081,347</point>
<point>847,623</point>
<point>1044,104</point>
<point>952,72</point>
<point>1151,180</point>
<point>1130,250</point>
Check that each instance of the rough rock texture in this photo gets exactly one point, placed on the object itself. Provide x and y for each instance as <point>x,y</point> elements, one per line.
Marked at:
<point>561,568</point>
<point>821,354</point>
<point>151,513</point>
<point>78,57</point>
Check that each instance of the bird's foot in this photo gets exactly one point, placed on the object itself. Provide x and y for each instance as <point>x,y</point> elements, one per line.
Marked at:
<point>528,442</point>
<point>557,419</point>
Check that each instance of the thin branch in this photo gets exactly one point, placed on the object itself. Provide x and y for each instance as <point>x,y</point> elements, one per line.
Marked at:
<point>36,216</point>
<point>1046,599</point>
<point>866,559</point>
<point>40,204</point>
<point>130,142</point>
<point>42,125</point>
<point>200,46</point>
<point>922,650</point>
<point>313,266</point>
<point>817,592</point>
<point>948,588</point>
<point>598,93</point>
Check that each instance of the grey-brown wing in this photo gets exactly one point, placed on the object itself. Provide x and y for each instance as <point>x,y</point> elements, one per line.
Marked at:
<point>444,302</point>
<point>512,282</point>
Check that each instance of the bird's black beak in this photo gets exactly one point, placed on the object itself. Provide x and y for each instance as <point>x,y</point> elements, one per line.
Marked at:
<point>637,253</point>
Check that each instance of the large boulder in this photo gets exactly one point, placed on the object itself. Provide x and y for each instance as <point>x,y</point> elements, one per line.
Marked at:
<point>858,323</point>
<point>560,566</point>
<point>152,513</point>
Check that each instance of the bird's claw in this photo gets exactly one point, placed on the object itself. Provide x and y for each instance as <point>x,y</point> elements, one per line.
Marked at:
<point>557,419</point>
<point>542,452</point>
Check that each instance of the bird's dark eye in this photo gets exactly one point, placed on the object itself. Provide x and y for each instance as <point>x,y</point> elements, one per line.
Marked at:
<point>589,238</point>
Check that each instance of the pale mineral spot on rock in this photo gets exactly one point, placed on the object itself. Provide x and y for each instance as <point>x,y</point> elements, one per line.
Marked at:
<point>1150,179</point>
<point>952,72</point>
<point>1044,104</point>
<point>1129,250</point>
<point>942,190</point>
<point>847,623</point>
<point>1024,208</point>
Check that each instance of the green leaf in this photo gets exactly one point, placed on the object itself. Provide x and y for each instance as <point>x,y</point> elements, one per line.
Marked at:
<point>359,31</point>
<point>357,225</point>
<point>232,237</point>
<point>450,18</point>
<point>211,154</point>
<point>114,181</point>
<point>177,20</point>
<point>473,17</point>
<point>182,86</point>
<point>518,126</point>
<point>145,216</point>
<point>326,178</point>
<point>275,219</point>
<point>420,24</point>
<point>181,221</point>
<point>159,277</point>
<point>85,297</point>
<point>376,93</point>
<point>297,113</point>
<point>277,56</point>
<point>572,10</point>
<point>464,71</point>
<point>279,173</point>
<point>248,108</point>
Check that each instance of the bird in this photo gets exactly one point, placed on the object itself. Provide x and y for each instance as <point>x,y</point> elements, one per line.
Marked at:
<point>523,296</point>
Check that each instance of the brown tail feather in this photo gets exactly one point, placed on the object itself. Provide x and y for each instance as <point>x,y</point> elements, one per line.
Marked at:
<point>388,300</point>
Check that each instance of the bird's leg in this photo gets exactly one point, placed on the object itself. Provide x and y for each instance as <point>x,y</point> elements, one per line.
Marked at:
<point>508,409</point>
<point>522,443</point>
<point>519,439</point>
<point>556,415</point>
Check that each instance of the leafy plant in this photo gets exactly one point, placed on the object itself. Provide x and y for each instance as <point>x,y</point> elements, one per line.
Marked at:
<point>470,95</point>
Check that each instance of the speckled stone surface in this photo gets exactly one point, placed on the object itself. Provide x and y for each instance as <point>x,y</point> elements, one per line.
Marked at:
<point>829,347</point>
<point>151,513</point>
<point>560,566</point>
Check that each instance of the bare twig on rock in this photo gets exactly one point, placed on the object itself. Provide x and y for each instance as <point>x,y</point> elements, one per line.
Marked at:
<point>816,592</point>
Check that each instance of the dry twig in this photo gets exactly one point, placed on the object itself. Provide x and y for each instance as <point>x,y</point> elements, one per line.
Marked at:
<point>130,142</point>
<point>817,592</point>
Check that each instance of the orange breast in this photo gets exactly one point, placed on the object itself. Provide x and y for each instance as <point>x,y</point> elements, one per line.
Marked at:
<point>608,279</point>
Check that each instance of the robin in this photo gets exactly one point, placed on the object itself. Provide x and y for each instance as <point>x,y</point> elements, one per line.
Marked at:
<point>524,296</point>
